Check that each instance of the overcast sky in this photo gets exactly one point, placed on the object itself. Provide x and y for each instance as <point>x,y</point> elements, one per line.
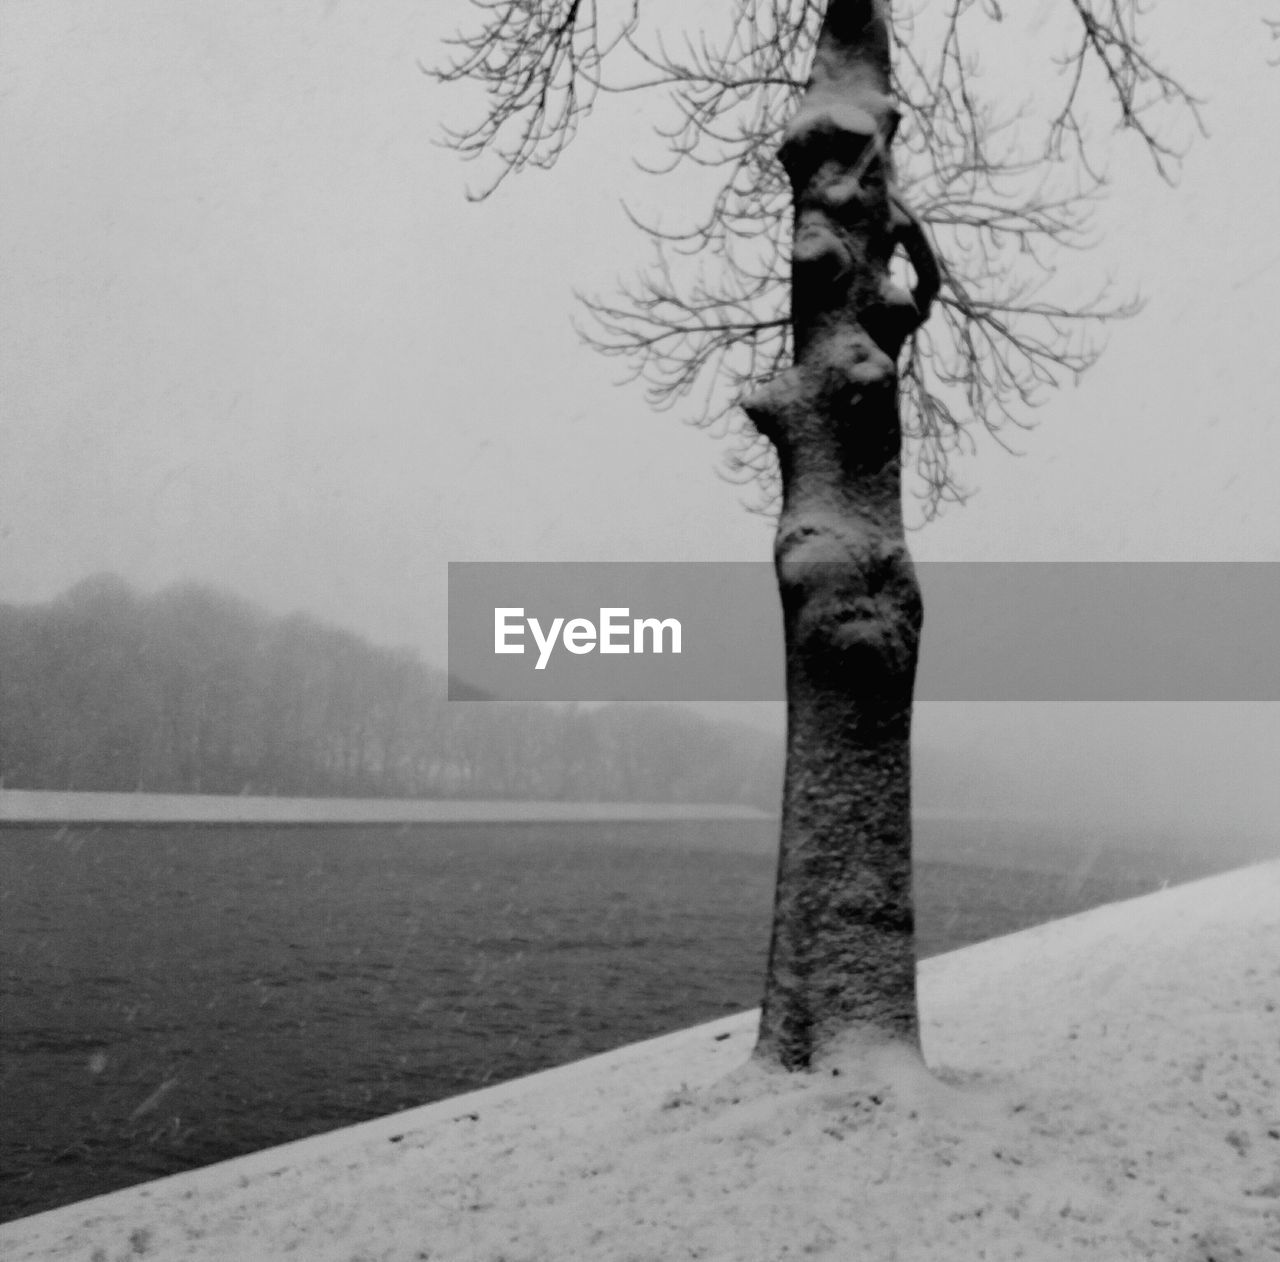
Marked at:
<point>253,334</point>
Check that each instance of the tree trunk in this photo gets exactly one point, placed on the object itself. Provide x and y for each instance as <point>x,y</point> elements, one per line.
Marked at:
<point>842,958</point>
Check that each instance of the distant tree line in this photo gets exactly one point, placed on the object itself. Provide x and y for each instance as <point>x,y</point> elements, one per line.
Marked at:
<point>194,690</point>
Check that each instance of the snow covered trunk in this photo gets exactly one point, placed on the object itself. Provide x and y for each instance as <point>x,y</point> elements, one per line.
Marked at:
<point>842,958</point>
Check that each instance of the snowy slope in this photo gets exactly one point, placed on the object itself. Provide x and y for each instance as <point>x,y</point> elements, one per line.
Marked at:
<point>1108,1087</point>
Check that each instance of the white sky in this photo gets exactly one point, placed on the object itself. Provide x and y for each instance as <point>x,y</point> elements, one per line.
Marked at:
<point>253,333</point>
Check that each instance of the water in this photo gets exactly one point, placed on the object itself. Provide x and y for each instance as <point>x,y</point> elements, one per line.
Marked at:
<point>177,996</point>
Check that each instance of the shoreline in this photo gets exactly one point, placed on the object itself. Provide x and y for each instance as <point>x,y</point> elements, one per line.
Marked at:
<point>41,807</point>
<point>1113,1093</point>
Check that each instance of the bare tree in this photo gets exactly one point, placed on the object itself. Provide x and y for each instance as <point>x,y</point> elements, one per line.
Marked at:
<point>828,427</point>
<point>1002,189</point>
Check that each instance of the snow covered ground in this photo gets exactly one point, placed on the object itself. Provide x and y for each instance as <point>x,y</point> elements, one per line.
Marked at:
<point>37,806</point>
<point>1105,1087</point>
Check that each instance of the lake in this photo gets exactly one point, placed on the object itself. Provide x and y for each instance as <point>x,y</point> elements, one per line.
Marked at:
<point>174,996</point>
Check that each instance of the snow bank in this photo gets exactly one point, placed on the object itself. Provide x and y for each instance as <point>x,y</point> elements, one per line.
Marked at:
<point>34,806</point>
<point>1105,1087</point>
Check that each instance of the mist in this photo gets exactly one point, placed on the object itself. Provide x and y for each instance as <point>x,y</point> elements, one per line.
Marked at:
<point>1202,774</point>
<point>257,338</point>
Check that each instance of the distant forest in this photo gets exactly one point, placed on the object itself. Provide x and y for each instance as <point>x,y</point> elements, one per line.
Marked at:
<point>194,690</point>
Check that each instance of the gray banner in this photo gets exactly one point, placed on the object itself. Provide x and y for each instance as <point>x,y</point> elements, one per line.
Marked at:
<point>1084,631</point>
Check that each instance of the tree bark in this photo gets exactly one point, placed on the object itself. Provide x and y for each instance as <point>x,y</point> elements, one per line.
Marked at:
<point>842,958</point>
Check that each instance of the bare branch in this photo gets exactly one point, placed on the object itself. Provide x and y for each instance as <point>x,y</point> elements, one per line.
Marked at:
<point>1002,193</point>
<point>1144,94</point>
<point>539,61</point>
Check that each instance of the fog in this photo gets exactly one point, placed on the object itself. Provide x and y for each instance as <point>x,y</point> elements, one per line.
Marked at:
<point>1203,772</point>
<point>257,338</point>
